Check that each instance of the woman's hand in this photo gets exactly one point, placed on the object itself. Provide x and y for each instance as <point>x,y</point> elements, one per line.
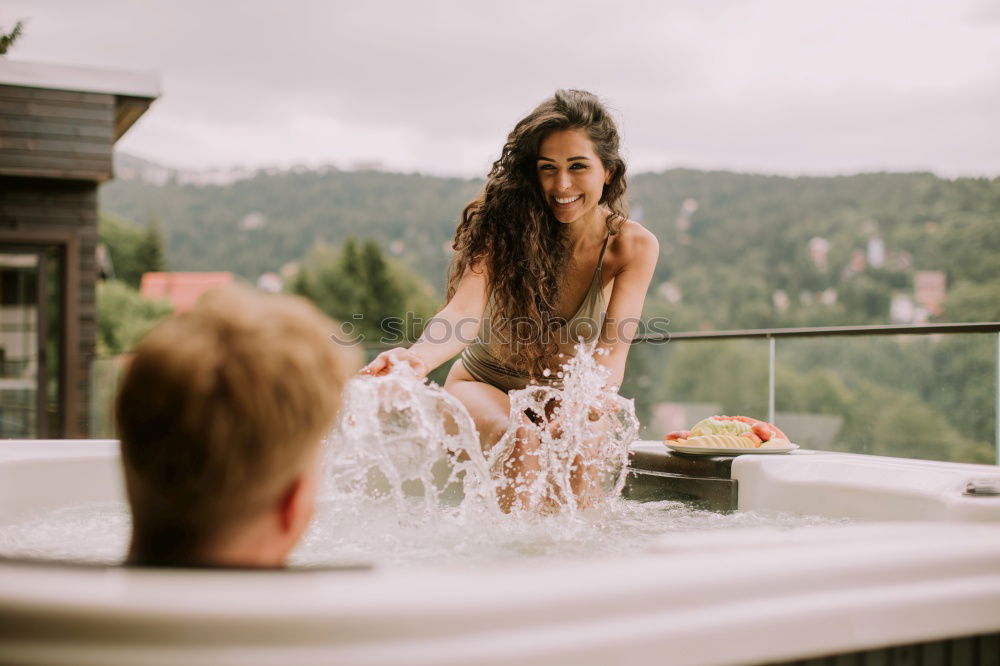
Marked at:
<point>383,363</point>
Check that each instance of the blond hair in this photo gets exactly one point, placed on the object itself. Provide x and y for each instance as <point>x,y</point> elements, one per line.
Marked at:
<point>220,409</point>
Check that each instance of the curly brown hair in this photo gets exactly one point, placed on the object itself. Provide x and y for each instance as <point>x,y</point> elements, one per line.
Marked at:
<point>510,230</point>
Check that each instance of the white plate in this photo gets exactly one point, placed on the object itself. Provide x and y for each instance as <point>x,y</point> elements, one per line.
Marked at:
<point>718,451</point>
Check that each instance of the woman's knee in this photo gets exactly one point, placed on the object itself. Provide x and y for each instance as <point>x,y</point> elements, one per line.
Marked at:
<point>492,428</point>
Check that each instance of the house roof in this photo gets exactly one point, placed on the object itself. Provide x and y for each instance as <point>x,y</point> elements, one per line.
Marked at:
<point>84,79</point>
<point>181,290</point>
<point>134,91</point>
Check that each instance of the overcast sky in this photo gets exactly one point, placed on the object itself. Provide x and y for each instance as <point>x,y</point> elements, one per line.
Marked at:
<point>780,86</point>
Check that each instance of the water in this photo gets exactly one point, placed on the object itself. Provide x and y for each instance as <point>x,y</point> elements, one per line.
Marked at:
<point>620,527</point>
<point>98,532</point>
<point>578,438</point>
<point>565,450</point>
<point>407,484</point>
<point>88,532</point>
<point>399,438</point>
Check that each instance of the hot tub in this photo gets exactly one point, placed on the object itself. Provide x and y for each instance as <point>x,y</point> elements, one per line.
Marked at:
<point>917,572</point>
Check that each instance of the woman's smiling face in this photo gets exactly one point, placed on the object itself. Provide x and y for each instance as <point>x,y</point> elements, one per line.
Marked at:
<point>571,174</point>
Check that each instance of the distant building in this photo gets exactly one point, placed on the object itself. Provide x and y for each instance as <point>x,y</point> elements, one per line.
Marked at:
<point>858,258</point>
<point>687,209</point>
<point>271,283</point>
<point>58,127</point>
<point>819,248</point>
<point>637,212</point>
<point>929,290</point>
<point>670,292</point>
<point>181,290</point>
<point>876,252</point>
<point>780,300</point>
<point>856,264</point>
<point>902,309</point>
<point>251,221</point>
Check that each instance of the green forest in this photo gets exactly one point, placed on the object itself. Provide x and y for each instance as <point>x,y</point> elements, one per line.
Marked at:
<point>738,251</point>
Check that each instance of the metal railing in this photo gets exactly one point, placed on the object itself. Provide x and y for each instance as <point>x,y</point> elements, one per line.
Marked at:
<point>772,335</point>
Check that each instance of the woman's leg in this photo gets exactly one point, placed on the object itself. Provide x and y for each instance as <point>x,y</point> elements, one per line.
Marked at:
<point>490,411</point>
<point>587,469</point>
<point>488,405</point>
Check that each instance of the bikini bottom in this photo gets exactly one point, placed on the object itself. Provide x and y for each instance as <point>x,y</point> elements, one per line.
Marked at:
<point>484,367</point>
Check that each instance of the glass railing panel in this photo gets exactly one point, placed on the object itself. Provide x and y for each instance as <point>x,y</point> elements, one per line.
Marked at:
<point>104,373</point>
<point>675,384</point>
<point>913,396</point>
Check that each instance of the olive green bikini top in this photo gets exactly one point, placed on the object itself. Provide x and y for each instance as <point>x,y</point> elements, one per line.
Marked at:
<point>484,366</point>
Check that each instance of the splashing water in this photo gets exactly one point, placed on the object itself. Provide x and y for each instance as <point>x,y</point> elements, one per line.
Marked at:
<point>399,438</point>
<point>566,448</point>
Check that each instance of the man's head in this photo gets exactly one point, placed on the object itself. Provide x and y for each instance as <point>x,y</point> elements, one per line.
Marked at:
<point>220,413</point>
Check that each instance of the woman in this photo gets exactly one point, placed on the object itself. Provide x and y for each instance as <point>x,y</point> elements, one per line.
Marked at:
<point>545,255</point>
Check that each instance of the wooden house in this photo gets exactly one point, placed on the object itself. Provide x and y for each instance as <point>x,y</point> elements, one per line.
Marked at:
<point>58,125</point>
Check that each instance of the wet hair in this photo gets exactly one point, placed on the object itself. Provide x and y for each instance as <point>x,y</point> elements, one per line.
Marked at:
<point>219,409</point>
<point>510,232</point>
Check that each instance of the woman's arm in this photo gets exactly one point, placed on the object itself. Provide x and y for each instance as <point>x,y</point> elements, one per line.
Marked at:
<point>457,325</point>
<point>627,296</point>
<point>446,334</point>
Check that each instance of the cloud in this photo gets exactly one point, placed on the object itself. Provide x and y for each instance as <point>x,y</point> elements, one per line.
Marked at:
<point>983,12</point>
<point>436,86</point>
<point>843,130</point>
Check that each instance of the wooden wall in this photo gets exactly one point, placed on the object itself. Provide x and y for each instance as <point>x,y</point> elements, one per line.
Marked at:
<point>56,133</point>
<point>55,147</point>
<point>62,213</point>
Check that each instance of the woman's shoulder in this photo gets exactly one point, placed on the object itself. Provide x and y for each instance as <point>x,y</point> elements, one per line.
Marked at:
<point>633,243</point>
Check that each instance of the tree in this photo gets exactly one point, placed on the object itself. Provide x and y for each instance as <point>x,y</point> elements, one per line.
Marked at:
<point>973,301</point>
<point>7,39</point>
<point>123,317</point>
<point>149,253</point>
<point>377,299</point>
<point>133,251</point>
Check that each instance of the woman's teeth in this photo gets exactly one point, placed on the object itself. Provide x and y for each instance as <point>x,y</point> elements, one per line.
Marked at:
<point>567,200</point>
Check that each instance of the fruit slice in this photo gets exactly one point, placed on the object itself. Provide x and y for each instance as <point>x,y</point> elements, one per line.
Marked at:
<point>720,442</point>
<point>719,425</point>
<point>736,425</point>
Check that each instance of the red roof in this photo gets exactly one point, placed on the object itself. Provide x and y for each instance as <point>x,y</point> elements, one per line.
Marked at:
<point>181,289</point>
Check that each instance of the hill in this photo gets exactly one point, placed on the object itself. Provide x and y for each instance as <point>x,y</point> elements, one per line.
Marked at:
<point>260,223</point>
<point>738,250</point>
